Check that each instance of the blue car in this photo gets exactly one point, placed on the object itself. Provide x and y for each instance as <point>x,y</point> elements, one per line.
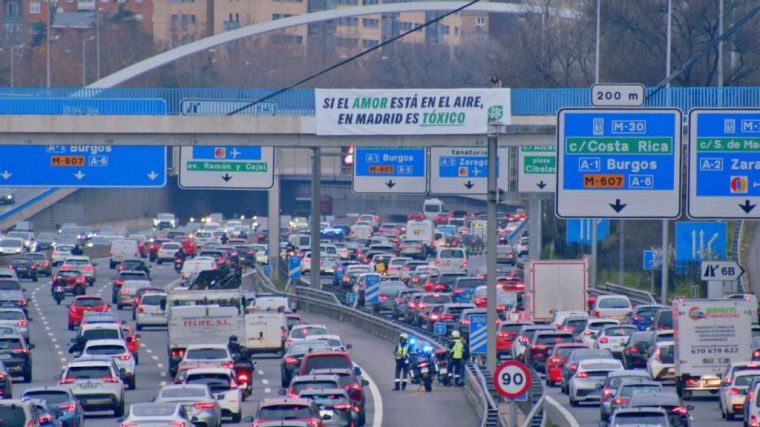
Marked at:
<point>63,405</point>
<point>642,316</point>
<point>464,287</point>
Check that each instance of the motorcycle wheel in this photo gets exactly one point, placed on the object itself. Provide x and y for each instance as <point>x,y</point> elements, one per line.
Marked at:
<point>428,385</point>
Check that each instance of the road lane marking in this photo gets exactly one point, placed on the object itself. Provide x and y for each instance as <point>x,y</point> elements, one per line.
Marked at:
<point>267,390</point>
<point>265,381</point>
<point>377,399</point>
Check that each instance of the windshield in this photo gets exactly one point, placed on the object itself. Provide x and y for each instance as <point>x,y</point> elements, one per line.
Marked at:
<point>51,397</point>
<point>614,303</point>
<point>284,412</point>
<point>744,380</point>
<point>310,330</point>
<point>153,299</point>
<point>554,338</point>
<point>327,362</point>
<point>619,331</point>
<point>105,350</point>
<point>638,419</point>
<point>173,393</point>
<point>11,243</point>
<point>436,299</point>
<point>10,343</point>
<point>88,302</point>
<point>128,276</point>
<point>9,286</point>
<point>153,410</point>
<point>88,372</point>
<point>100,334</point>
<point>298,387</point>
<point>76,262</point>
<point>451,253</point>
<point>212,380</point>
<point>206,353</point>
<point>632,389</point>
<point>11,315</point>
<point>469,283</point>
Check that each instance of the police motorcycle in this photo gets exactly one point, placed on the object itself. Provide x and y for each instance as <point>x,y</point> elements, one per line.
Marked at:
<point>422,368</point>
<point>243,366</point>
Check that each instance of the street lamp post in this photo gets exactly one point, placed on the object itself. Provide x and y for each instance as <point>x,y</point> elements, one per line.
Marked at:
<point>97,42</point>
<point>14,50</point>
<point>84,59</point>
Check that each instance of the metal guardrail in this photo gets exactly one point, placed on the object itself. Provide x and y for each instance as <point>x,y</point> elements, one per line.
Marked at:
<point>635,295</point>
<point>328,303</point>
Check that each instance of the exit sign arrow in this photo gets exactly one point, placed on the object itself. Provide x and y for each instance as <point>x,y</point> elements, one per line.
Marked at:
<point>721,270</point>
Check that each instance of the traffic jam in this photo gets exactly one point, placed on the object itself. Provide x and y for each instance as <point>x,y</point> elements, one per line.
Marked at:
<point>637,363</point>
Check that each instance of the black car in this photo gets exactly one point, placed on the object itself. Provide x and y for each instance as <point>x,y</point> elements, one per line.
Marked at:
<point>135,264</point>
<point>636,351</point>
<point>16,356</point>
<point>25,268</point>
<point>247,254</point>
<point>291,361</point>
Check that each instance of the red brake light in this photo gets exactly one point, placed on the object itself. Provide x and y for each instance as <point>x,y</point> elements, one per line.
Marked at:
<point>124,292</point>
<point>110,379</point>
<point>20,350</point>
<point>67,407</point>
<point>22,323</point>
<point>203,405</point>
<point>634,349</point>
<point>604,340</point>
<point>67,380</point>
<point>573,367</point>
<point>753,421</point>
<point>125,357</point>
<point>228,365</point>
<point>582,375</point>
<point>290,360</point>
<point>620,400</point>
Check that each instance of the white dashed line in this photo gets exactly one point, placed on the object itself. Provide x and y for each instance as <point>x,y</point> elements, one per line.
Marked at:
<point>261,372</point>
<point>265,381</point>
<point>267,390</point>
<point>160,365</point>
<point>163,383</point>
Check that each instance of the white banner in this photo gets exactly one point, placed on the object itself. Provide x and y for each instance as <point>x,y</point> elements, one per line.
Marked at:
<point>410,111</point>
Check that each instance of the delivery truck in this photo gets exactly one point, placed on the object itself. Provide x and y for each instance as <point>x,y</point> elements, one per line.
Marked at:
<point>556,285</point>
<point>708,335</point>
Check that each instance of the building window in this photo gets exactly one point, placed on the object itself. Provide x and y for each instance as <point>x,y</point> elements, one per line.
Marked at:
<point>276,16</point>
<point>370,23</point>
<point>445,29</point>
<point>346,42</point>
<point>351,2</point>
<point>287,39</point>
<point>138,17</point>
<point>348,21</point>
<point>11,10</point>
<point>369,43</point>
<point>369,2</point>
<point>480,21</point>
<point>35,8</point>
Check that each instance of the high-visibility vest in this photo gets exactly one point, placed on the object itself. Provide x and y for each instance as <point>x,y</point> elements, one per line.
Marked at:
<point>401,351</point>
<point>457,350</point>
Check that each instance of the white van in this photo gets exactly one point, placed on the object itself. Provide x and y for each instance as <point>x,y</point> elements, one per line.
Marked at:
<point>122,249</point>
<point>196,265</point>
<point>432,207</point>
<point>302,242</point>
<point>421,231</point>
<point>451,260</point>
<point>265,331</point>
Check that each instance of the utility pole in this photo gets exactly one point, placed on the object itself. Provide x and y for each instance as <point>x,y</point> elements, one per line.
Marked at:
<point>316,176</point>
<point>493,194</point>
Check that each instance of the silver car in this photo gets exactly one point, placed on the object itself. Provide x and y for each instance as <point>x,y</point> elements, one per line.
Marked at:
<point>128,291</point>
<point>16,319</point>
<point>196,400</point>
<point>152,414</point>
<point>586,384</point>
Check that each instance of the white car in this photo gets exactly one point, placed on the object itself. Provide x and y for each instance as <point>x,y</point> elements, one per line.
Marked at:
<point>165,220</point>
<point>12,247</point>
<point>149,312</point>
<point>395,266</point>
<point>304,332</point>
<point>661,364</point>
<point>731,399</point>
<point>60,252</point>
<point>614,338</point>
<point>522,247</point>
<point>612,307</point>
<point>83,264</point>
<point>167,251</point>
<point>96,383</point>
<point>116,350</point>
<point>8,273</point>
<point>212,354</point>
<point>26,236</point>
<point>585,384</point>
<point>221,382</point>
<point>593,326</point>
<point>197,401</point>
<point>559,316</point>
<point>262,254</point>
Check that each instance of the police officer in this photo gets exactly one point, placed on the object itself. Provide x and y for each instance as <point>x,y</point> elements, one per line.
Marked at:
<point>457,353</point>
<point>401,354</point>
<point>233,346</point>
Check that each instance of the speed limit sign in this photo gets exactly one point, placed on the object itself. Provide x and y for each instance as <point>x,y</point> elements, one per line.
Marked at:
<point>512,379</point>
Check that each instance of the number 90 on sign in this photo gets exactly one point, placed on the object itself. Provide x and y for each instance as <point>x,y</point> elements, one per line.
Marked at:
<point>512,379</point>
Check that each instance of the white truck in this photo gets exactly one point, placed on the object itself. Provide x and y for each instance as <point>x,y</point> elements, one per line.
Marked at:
<point>555,285</point>
<point>708,335</point>
<point>202,317</point>
<point>421,231</point>
<point>265,331</point>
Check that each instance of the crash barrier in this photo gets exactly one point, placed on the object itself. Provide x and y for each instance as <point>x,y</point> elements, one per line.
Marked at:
<point>636,296</point>
<point>556,414</point>
<point>328,304</point>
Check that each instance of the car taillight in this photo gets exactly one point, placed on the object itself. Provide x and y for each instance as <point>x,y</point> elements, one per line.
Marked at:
<point>438,262</point>
<point>44,419</point>
<point>68,380</point>
<point>20,350</point>
<point>756,354</point>
<point>479,301</point>
<point>603,340</point>
<point>597,313</point>
<point>124,292</point>
<point>422,306</point>
<point>582,375</point>
<point>556,361</point>
<point>606,394</point>
<point>125,357</point>
<point>634,349</point>
<point>637,318</point>
<point>465,263</point>
<point>383,297</point>
<point>572,367</point>
<point>412,305</point>
<point>178,353</point>
<point>523,340</point>
<point>203,405</point>
<point>290,360</point>
<point>692,381</point>
<point>728,380</point>
<point>23,323</point>
<point>734,391</point>
<point>447,317</point>
<point>620,401</point>
<point>67,407</point>
<point>458,291</point>
<point>140,309</point>
<point>753,421</point>
<point>88,268</point>
<point>118,282</point>
<point>110,380</point>
<point>588,333</point>
<point>228,365</point>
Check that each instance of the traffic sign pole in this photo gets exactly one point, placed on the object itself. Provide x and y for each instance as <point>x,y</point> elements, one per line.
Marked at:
<point>493,193</point>
<point>316,177</point>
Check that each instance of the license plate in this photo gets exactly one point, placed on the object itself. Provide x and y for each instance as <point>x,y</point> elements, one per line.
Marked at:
<point>324,413</point>
<point>5,356</point>
<point>443,371</point>
<point>424,370</point>
<point>88,385</point>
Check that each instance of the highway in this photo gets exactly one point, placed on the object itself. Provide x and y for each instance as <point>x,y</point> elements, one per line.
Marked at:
<point>385,407</point>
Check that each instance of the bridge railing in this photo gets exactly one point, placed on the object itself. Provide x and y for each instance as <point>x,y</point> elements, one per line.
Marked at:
<point>524,101</point>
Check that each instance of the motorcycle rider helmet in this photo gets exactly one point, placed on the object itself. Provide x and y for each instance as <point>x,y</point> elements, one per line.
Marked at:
<point>233,339</point>
<point>403,337</point>
<point>455,334</point>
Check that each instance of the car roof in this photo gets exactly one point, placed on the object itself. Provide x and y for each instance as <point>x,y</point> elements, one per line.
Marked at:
<point>630,373</point>
<point>210,369</point>
<point>91,361</point>
<point>315,377</point>
<point>104,342</point>
<point>285,401</point>
<point>325,391</point>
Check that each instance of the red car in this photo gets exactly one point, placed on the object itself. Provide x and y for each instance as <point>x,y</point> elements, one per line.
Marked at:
<point>83,304</point>
<point>442,218</point>
<point>505,335</point>
<point>71,278</point>
<point>557,359</point>
<point>133,343</point>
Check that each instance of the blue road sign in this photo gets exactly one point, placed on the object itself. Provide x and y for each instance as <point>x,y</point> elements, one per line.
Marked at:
<point>294,267</point>
<point>266,269</point>
<point>478,334</point>
<point>82,165</point>
<point>724,154</point>
<point>580,230</point>
<point>464,170</point>
<point>372,292</point>
<point>350,297</point>
<point>446,229</point>
<point>618,163</point>
<point>696,241</point>
<point>227,153</point>
<point>649,259</point>
<point>390,170</point>
<point>439,328</point>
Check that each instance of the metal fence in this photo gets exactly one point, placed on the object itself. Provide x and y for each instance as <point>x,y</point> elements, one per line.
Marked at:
<point>525,102</point>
